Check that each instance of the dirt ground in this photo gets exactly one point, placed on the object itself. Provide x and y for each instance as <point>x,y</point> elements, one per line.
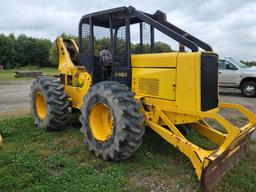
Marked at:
<point>234,96</point>
<point>14,98</point>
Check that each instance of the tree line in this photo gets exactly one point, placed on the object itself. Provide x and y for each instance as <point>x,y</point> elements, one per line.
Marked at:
<point>23,51</point>
<point>249,63</point>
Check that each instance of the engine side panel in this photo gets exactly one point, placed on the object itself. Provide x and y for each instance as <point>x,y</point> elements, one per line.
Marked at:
<point>188,81</point>
<point>153,82</point>
<point>155,60</point>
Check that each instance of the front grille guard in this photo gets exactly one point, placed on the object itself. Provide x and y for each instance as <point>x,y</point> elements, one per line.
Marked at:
<point>210,165</point>
<point>229,153</point>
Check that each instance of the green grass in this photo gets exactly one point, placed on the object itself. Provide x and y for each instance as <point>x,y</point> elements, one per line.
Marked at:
<point>10,74</point>
<point>34,160</point>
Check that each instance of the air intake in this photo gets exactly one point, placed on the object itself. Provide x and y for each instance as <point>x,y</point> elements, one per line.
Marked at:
<point>148,86</point>
<point>209,81</point>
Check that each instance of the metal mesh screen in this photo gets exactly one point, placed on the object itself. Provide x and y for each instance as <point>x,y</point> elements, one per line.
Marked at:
<point>101,39</point>
<point>149,86</point>
<point>150,40</point>
<point>142,33</point>
<point>120,44</point>
<point>146,38</point>
<point>85,36</point>
<point>121,40</point>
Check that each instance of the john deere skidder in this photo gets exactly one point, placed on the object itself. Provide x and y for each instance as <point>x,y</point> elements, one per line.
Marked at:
<point>120,90</point>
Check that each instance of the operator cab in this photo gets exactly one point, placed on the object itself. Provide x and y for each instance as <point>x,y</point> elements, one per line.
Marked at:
<point>105,41</point>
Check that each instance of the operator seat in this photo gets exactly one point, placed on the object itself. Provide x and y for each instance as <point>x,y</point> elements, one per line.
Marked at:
<point>106,62</point>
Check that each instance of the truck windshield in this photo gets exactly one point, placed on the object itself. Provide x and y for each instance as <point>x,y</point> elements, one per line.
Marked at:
<point>238,63</point>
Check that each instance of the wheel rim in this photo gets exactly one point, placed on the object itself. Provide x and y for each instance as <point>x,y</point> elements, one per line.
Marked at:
<point>40,105</point>
<point>249,90</point>
<point>101,122</point>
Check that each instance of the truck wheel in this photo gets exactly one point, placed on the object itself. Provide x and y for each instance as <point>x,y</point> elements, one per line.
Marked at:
<point>111,121</point>
<point>248,89</point>
<point>49,104</point>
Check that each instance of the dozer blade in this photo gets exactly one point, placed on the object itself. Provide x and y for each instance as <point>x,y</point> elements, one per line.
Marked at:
<point>218,167</point>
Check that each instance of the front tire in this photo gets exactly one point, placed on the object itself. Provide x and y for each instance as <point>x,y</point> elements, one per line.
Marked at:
<point>248,89</point>
<point>49,103</point>
<point>111,121</point>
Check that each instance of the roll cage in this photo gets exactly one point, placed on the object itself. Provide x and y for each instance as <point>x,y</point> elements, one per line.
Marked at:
<point>113,27</point>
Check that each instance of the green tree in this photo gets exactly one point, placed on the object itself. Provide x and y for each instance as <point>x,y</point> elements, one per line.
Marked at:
<point>33,51</point>
<point>249,63</point>
<point>42,52</point>
<point>161,47</point>
<point>53,56</point>
<point>7,50</point>
<point>22,51</point>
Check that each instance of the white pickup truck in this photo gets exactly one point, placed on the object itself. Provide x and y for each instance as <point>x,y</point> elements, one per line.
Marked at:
<point>233,74</point>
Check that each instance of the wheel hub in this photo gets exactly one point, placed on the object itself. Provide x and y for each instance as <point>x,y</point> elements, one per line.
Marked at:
<point>40,105</point>
<point>101,122</point>
<point>250,89</point>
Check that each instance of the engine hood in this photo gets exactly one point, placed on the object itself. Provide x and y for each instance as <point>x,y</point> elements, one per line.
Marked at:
<point>250,69</point>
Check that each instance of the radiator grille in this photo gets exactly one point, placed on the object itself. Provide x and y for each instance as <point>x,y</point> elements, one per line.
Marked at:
<point>209,81</point>
<point>149,86</point>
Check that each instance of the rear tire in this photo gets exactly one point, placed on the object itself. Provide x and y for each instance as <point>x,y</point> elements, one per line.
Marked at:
<point>49,103</point>
<point>248,89</point>
<point>127,124</point>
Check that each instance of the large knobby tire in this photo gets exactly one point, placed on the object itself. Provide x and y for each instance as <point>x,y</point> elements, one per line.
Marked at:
<point>124,122</point>
<point>248,89</point>
<point>49,103</point>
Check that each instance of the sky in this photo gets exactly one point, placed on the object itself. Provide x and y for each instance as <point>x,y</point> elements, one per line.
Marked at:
<point>228,26</point>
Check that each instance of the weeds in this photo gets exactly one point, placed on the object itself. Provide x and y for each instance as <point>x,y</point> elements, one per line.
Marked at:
<point>34,160</point>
